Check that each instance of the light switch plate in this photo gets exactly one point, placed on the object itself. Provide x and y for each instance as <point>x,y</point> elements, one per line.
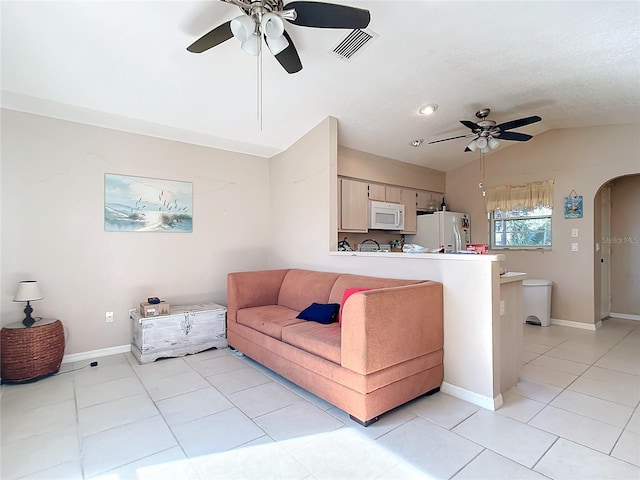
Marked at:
<point>574,247</point>
<point>574,232</point>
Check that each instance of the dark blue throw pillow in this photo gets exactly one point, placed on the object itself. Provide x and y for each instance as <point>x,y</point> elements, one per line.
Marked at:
<point>320,312</point>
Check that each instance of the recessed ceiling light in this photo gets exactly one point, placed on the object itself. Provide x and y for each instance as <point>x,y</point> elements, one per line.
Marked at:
<point>428,109</point>
<point>417,142</point>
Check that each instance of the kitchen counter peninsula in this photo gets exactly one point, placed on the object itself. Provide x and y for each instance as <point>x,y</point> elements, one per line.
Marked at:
<point>482,349</point>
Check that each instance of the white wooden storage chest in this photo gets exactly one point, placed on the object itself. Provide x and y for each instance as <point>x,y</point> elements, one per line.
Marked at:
<point>187,329</point>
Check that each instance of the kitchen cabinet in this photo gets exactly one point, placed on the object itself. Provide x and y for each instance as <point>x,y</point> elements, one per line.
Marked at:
<point>408,198</point>
<point>385,193</point>
<point>422,199</point>
<point>354,206</point>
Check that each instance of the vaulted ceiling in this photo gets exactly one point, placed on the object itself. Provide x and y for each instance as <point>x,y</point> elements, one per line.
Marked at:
<point>125,65</point>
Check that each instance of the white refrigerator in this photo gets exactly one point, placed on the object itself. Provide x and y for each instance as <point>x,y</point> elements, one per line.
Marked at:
<point>451,229</point>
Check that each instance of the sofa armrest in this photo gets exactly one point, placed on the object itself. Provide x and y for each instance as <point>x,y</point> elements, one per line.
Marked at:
<point>252,289</point>
<point>387,326</point>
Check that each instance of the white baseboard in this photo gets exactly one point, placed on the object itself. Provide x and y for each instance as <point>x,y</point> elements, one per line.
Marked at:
<point>626,316</point>
<point>472,397</point>
<point>570,323</point>
<point>103,352</point>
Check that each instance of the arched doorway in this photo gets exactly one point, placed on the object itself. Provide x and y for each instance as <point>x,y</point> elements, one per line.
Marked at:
<point>617,248</point>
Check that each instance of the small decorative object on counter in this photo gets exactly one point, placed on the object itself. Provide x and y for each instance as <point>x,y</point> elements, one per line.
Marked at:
<point>481,248</point>
<point>155,308</point>
<point>343,246</point>
<point>443,206</point>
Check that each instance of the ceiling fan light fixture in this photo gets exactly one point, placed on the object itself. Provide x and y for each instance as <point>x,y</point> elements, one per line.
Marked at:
<point>272,25</point>
<point>485,150</point>
<point>252,45</point>
<point>428,109</point>
<point>481,142</point>
<point>242,28</point>
<point>277,45</point>
<point>472,145</point>
<point>493,143</point>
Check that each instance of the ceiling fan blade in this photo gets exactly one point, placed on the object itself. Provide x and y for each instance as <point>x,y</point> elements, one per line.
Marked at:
<point>288,58</point>
<point>470,125</point>
<point>518,123</point>
<point>220,34</point>
<point>328,15</point>
<point>514,136</point>
<point>453,138</point>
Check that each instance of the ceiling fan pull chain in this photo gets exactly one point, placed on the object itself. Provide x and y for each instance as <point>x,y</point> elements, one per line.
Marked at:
<point>259,85</point>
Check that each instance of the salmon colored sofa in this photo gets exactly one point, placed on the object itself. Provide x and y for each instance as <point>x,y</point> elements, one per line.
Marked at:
<point>387,351</point>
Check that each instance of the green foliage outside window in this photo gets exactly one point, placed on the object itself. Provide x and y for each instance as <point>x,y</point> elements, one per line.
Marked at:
<point>521,229</point>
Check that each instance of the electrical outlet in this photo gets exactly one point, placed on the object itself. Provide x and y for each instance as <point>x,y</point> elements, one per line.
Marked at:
<point>574,247</point>
<point>574,232</point>
<point>501,307</point>
<point>109,317</point>
<point>132,311</point>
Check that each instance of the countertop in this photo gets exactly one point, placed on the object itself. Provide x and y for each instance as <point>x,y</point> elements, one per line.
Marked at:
<point>509,277</point>
<point>466,257</point>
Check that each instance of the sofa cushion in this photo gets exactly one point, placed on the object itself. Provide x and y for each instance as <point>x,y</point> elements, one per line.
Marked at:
<point>320,312</point>
<point>315,338</point>
<point>268,319</point>
<point>300,288</point>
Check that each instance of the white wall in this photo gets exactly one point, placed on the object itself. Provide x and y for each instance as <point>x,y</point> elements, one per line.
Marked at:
<point>52,225</point>
<point>580,159</point>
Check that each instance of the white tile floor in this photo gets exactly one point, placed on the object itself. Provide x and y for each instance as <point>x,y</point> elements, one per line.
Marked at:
<point>573,415</point>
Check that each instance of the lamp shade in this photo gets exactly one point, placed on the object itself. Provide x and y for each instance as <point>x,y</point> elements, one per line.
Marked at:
<point>481,142</point>
<point>472,145</point>
<point>272,25</point>
<point>28,291</point>
<point>252,45</point>
<point>242,27</point>
<point>493,143</point>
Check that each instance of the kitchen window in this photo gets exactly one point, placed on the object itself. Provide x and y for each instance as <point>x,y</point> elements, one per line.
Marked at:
<point>521,228</point>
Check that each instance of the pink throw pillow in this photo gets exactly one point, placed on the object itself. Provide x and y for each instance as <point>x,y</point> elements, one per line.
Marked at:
<point>347,293</point>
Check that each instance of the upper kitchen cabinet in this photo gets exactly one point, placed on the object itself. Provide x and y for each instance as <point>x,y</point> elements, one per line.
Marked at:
<point>423,199</point>
<point>385,193</point>
<point>408,198</point>
<point>354,205</point>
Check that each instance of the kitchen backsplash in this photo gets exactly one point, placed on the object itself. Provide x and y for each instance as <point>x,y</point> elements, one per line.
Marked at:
<point>382,237</point>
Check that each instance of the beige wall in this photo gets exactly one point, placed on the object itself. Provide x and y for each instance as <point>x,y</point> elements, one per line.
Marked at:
<point>624,241</point>
<point>576,159</point>
<point>52,225</point>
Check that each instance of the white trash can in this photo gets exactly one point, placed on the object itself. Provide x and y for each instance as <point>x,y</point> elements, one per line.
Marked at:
<point>536,301</point>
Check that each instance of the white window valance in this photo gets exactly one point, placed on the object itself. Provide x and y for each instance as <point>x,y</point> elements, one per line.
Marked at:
<point>529,196</point>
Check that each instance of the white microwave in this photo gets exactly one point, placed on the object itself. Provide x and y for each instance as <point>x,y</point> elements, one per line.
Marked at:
<point>386,216</point>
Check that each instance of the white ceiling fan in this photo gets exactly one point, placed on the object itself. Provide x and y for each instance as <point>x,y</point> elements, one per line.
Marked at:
<point>265,19</point>
<point>487,135</point>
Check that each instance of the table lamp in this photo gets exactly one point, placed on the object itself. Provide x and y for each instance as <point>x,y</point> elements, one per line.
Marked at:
<point>28,291</point>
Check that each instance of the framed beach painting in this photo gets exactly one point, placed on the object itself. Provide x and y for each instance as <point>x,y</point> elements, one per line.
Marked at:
<point>140,204</point>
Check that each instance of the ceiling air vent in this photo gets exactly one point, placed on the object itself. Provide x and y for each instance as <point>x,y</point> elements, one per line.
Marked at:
<point>353,43</point>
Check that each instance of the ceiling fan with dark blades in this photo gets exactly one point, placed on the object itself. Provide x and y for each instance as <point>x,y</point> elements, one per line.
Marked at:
<point>487,134</point>
<point>264,18</point>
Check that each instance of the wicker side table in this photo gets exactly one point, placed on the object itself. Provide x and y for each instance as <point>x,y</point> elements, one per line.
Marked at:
<point>28,354</point>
